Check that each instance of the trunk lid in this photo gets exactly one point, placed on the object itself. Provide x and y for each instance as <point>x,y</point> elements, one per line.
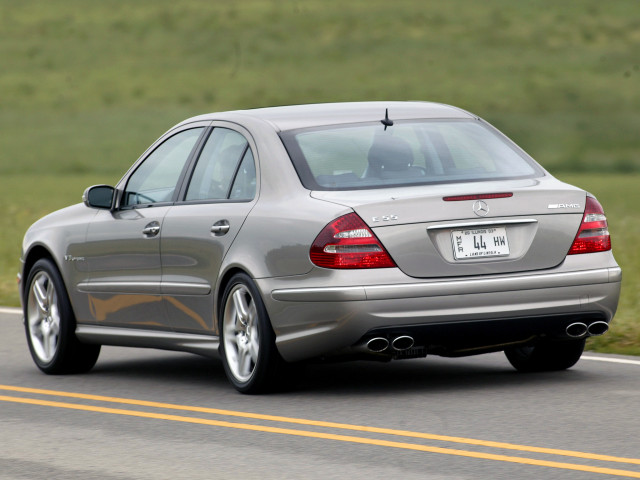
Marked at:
<point>426,236</point>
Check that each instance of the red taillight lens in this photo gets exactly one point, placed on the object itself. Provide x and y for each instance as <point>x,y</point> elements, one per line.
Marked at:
<point>593,235</point>
<point>348,242</point>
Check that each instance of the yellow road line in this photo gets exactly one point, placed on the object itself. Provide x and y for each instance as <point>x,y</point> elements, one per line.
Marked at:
<point>325,436</point>
<point>340,426</point>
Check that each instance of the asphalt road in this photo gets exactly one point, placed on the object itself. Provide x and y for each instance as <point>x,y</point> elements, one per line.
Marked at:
<point>143,414</point>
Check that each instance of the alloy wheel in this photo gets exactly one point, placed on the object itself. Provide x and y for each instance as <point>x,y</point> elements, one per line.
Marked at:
<point>241,333</point>
<point>43,317</point>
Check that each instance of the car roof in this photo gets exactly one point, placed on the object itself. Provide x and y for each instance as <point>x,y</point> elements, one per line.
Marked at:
<point>323,114</point>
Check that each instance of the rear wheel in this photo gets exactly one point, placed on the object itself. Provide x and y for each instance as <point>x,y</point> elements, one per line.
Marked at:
<point>247,345</point>
<point>50,324</point>
<point>546,355</point>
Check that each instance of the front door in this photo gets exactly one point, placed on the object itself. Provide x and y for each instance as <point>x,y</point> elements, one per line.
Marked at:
<point>123,246</point>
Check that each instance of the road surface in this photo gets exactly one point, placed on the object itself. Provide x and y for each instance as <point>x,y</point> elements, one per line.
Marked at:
<point>143,414</point>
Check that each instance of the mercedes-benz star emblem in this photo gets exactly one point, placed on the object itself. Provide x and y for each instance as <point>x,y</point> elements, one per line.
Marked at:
<point>480,208</point>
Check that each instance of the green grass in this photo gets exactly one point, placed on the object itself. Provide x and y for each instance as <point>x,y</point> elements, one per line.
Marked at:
<point>85,87</point>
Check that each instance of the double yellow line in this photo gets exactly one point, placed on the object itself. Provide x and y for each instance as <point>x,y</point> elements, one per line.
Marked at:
<point>323,435</point>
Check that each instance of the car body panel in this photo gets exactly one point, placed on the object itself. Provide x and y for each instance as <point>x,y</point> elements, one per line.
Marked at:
<point>337,310</point>
<point>61,235</point>
<point>124,269</point>
<point>303,116</point>
<point>192,256</point>
<point>416,228</point>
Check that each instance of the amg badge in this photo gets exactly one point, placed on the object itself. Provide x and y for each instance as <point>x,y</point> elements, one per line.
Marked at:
<point>564,205</point>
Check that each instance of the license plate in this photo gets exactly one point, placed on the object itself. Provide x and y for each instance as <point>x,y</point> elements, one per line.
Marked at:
<point>480,243</point>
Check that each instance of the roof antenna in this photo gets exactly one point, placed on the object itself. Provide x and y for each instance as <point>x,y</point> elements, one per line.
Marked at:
<point>386,122</point>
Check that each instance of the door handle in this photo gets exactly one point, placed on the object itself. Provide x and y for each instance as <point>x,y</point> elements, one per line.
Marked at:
<point>151,230</point>
<point>220,228</point>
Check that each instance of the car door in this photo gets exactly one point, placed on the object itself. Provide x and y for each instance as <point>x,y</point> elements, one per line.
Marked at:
<point>198,231</point>
<point>123,245</point>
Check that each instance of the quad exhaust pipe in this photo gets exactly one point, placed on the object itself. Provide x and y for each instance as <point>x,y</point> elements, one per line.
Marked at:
<point>598,328</point>
<point>403,342</point>
<point>380,344</point>
<point>579,329</point>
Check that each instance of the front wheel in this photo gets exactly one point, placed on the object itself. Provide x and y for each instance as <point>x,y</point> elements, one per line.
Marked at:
<point>247,344</point>
<point>546,356</point>
<point>50,324</point>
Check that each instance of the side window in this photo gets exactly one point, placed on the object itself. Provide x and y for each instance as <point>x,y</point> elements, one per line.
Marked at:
<point>155,180</point>
<point>244,186</point>
<point>225,168</point>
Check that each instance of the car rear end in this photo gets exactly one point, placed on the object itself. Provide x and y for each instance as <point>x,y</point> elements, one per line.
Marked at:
<point>455,243</point>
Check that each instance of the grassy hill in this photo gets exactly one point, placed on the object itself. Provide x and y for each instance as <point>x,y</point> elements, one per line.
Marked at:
<point>85,87</point>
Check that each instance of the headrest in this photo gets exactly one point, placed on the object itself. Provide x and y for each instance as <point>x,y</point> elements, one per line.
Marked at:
<point>389,153</point>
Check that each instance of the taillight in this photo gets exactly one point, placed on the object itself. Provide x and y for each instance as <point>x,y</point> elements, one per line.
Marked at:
<point>593,235</point>
<point>347,242</point>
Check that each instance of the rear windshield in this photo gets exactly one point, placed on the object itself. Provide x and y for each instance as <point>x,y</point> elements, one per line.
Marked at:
<point>407,153</point>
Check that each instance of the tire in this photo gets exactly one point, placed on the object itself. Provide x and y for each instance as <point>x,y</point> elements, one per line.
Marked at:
<point>247,347</point>
<point>546,356</point>
<point>50,324</point>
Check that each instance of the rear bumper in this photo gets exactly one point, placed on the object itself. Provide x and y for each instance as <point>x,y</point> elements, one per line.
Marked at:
<point>314,321</point>
<point>449,287</point>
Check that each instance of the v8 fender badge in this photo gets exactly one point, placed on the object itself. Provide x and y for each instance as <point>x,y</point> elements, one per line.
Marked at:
<point>71,258</point>
<point>384,218</point>
<point>563,205</point>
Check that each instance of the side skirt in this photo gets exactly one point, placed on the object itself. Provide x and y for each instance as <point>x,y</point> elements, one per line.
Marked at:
<point>130,337</point>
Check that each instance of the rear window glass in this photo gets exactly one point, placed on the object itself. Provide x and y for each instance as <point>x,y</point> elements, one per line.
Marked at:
<point>368,156</point>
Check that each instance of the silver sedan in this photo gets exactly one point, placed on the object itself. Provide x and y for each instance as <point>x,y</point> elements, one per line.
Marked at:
<point>382,230</point>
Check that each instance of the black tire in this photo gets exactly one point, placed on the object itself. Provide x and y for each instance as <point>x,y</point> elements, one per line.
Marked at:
<point>247,342</point>
<point>50,324</point>
<point>546,356</point>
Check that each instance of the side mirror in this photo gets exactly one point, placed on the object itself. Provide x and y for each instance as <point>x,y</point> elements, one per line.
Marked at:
<point>99,196</point>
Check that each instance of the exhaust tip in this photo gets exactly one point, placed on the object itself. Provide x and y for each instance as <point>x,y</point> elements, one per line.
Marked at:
<point>378,344</point>
<point>598,328</point>
<point>402,342</point>
<point>577,330</point>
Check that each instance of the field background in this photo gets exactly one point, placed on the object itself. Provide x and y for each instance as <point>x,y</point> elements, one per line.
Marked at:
<point>85,87</point>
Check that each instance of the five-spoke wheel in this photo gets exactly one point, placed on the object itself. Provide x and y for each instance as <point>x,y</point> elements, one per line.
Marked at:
<point>247,340</point>
<point>43,317</point>
<point>50,324</point>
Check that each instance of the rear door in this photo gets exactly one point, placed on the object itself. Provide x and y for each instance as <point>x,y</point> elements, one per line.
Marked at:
<point>198,231</point>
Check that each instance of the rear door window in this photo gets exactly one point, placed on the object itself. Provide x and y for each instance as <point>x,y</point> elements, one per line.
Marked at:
<point>225,169</point>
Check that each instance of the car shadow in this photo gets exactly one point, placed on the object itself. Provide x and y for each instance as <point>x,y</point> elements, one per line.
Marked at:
<point>430,375</point>
<point>172,367</point>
